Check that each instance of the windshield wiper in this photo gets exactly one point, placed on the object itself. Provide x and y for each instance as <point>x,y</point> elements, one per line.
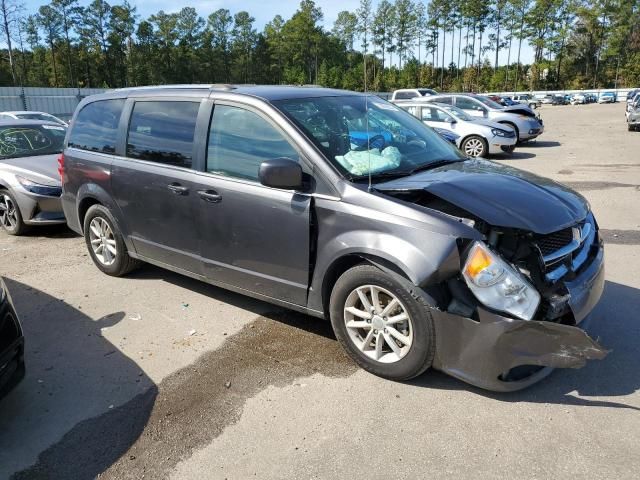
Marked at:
<point>430,165</point>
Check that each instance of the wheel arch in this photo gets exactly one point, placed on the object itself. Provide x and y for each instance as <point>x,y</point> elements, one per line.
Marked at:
<point>350,260</point>
<point>512,125</point>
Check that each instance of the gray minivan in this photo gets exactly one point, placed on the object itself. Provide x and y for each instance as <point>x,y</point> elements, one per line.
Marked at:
<point>342,206</point>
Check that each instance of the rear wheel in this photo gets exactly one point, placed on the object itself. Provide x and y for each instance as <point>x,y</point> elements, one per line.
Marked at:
<point>474,146</point>
<point>105,243</point>
<point>10,215</point>
<point>382,322</point>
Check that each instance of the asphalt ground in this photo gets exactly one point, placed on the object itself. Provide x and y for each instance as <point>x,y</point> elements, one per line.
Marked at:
<point>160,376</point>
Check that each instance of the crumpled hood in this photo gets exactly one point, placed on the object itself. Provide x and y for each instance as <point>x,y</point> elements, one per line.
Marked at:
<point>45,168</point>
<point>500,195</point>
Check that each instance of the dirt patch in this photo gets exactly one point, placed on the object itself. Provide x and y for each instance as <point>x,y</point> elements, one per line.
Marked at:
<point>196,404</point>
<point>599,185</point>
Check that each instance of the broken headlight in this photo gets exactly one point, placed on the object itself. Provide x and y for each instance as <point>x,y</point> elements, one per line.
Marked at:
<point>498,285</point>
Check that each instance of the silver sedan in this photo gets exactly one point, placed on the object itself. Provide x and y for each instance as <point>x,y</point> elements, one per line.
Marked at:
<point>477,137</point>
<point>30,186</point>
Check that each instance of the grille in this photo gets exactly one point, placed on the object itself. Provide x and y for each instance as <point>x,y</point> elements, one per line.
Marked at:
<point>554,241</point>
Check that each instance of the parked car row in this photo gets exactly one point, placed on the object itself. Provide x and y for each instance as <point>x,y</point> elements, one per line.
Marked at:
<point>632,110</point>
<point>345,207</point>
<point>484,126</point>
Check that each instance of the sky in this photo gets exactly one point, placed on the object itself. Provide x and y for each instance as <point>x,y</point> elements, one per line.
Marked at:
<point>263,11</point>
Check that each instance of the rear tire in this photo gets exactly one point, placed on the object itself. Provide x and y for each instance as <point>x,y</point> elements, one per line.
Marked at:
<point>105,243</point>
<point>10,216</point>
<point>394,341</point>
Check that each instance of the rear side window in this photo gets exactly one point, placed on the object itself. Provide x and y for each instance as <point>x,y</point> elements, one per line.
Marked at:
<point>240,140</point>
<point>467,104</point>
<point>96,126</point>
<point>447,100</point>
<point>405,95</point>
<point>163,132</point>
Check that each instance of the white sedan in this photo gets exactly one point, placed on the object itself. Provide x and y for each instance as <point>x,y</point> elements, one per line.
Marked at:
<point>477,137</point>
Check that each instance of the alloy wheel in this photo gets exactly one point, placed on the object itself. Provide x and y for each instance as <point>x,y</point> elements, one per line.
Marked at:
<point>8,214</point>
<point>103,242</point>
<point>378,324</point>
<point>474,147</point>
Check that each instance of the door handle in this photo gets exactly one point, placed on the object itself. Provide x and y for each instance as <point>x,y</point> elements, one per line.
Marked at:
<point>178,189</point>
<point>210,196</point>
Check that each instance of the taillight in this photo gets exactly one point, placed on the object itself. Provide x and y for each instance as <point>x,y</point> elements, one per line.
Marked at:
<point>61,166</point>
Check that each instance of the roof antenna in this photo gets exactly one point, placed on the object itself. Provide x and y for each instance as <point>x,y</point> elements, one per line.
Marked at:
<point>366,119</point>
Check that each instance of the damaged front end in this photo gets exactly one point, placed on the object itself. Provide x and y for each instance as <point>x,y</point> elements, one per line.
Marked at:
<point>551,281</point>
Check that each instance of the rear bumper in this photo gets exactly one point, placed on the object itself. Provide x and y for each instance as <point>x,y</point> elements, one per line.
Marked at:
<point>482,352</point>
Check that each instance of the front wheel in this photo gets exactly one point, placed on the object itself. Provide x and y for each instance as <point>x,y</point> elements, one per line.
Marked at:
<point>105,243</point>
<point>10,215</point>
<point>474,146</point>
<point>383,323</point>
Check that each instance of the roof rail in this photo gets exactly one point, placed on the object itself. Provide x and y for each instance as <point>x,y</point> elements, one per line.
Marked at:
<point>186,86</point>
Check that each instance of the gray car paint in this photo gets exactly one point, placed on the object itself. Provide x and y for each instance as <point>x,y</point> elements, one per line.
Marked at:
<point>41,169</point>
<point>285,247</point>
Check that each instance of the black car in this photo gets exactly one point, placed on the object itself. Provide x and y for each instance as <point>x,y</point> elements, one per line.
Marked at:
<point>11,343</point>
<point>345,207</point>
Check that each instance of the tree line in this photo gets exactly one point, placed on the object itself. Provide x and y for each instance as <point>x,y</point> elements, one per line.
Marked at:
<point>461,45</point>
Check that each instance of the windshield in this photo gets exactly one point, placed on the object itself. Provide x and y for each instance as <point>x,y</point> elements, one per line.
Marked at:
<point>458,112</point>
<point>362,135</point>
<point>31,140</point>
<point>488,102</point>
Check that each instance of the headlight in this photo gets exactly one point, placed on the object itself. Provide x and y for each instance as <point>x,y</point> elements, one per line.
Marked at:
<point>498,285</point>
<point>38,188</point>
<point>499,133</point>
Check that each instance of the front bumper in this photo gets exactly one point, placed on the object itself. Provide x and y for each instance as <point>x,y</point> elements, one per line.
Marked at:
<point>496,143</point>
<point>482,352</point>
<point>532,130</point>
<point>39,209</point>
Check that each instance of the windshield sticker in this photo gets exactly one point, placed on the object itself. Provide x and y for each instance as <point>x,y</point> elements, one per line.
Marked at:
<point>53,127</point>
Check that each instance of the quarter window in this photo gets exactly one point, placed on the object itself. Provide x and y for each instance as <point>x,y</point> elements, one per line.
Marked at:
<point>240,140</point>
<point>163,132</point>
<point>96,126</point>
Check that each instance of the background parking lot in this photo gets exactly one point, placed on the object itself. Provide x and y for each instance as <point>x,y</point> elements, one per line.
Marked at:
<point>161,376</point>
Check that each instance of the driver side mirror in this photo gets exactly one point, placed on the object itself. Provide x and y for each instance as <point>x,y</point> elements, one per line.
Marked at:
<point>281,173</point>
<point>451,120</point>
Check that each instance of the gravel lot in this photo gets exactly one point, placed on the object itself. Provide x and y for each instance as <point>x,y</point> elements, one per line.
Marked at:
<point>159,376</point>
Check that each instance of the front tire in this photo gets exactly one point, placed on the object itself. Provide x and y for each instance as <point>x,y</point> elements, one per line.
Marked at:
<point>474,146</point>
<point>105,243</point>
<point>10,215</point>
<point>383,322</point>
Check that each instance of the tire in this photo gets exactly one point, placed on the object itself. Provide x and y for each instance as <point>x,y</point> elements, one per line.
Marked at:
<point>474,146</point>
<point>415,356</point>
<point>12,221</point>
<point>508,148</point>
<point>112,263</point>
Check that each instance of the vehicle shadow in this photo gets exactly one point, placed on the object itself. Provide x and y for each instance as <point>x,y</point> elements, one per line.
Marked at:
<point>516,155</point>
<point>51,231</point>
<point>541,143</point>
<point>74,375</point>
<point>614,326</point>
